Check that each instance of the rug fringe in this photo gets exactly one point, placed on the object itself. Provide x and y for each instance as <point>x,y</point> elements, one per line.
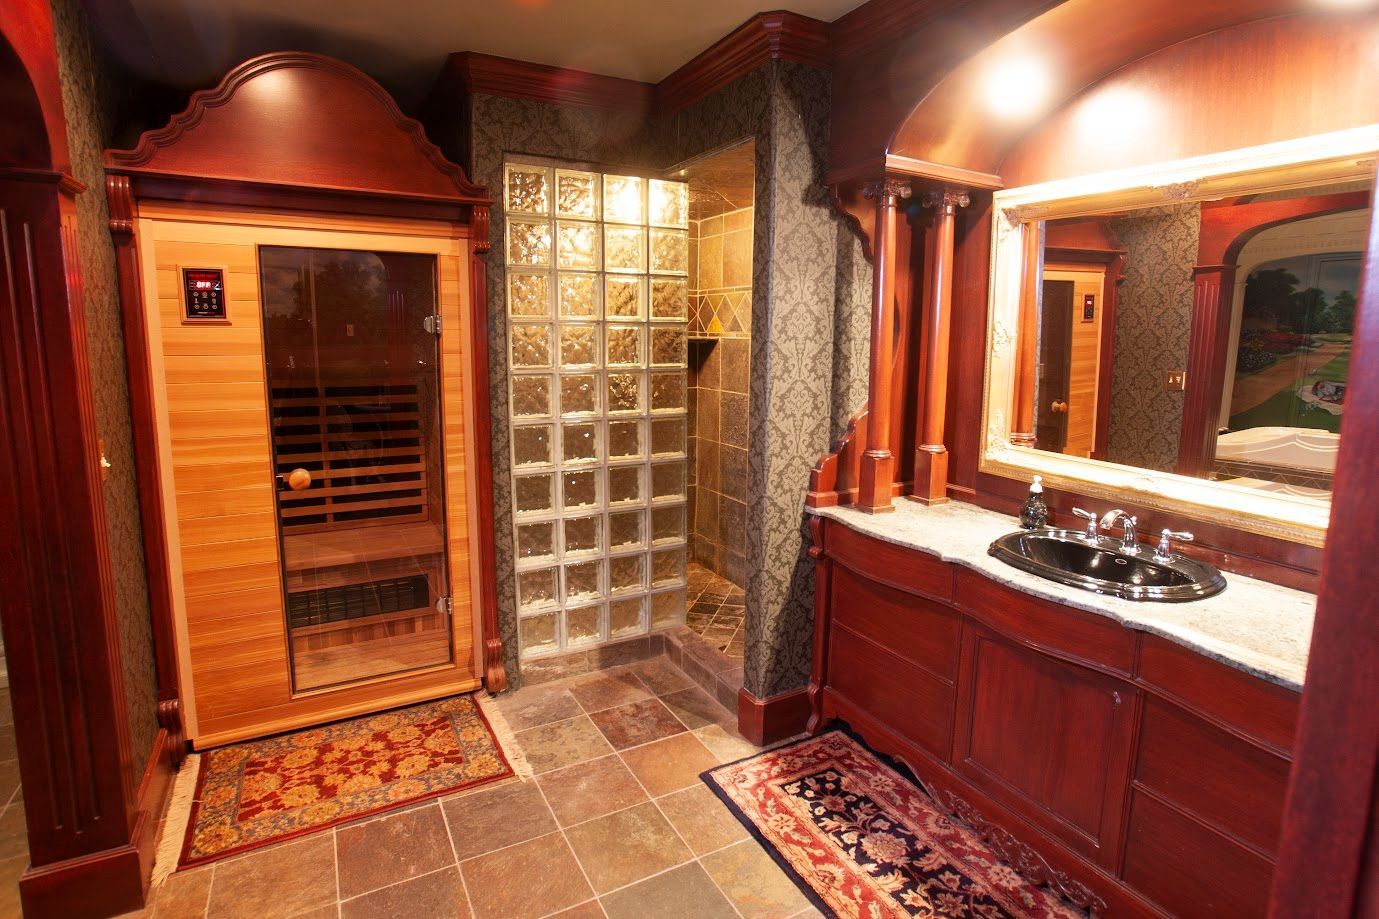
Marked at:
<point>175,821</point>
<point>504,734</point>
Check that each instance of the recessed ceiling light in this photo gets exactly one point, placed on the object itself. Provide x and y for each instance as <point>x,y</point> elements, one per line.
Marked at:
<point>1346,4</point>
<point>1017,87</point>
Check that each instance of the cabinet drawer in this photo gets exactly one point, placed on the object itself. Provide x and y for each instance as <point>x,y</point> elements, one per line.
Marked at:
<point>1224,780</point>
<point>908,569</point>
<point>917,630</point>
<point>913,702</point>
<point>1084,636</point>
<point>1253,706</point>
<point>1189,870</point>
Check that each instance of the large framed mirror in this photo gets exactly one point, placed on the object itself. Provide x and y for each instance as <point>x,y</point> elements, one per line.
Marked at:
<point>1178,336</point>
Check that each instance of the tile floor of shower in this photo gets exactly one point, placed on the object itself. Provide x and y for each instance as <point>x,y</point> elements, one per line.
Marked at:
<point>714,609</point>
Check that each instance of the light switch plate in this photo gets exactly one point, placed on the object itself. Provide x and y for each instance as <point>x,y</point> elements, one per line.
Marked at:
<point>1175,381</point>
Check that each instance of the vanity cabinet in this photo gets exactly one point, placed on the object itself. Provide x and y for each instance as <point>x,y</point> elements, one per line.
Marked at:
<point>1134,775</point>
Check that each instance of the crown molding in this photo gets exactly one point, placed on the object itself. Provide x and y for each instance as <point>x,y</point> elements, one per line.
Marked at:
<point>879,22</point>
<point>488,74</point>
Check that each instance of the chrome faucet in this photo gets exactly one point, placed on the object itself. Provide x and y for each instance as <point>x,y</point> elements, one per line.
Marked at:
<point>1128,542</point>
<point>1091,534</point>
<point>1165,550</point>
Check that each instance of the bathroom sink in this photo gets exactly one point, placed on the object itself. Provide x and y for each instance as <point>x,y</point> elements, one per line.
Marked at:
<point>1102,566</point>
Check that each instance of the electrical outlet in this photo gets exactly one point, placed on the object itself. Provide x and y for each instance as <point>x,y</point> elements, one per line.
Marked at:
<point>1175,381</point>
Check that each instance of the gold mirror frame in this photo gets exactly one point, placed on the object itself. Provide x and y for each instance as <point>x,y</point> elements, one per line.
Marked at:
<point>1341,156</point>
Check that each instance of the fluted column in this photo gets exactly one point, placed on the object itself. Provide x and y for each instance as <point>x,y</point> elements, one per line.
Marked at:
<point>931,456</point>
<point>878,464</point>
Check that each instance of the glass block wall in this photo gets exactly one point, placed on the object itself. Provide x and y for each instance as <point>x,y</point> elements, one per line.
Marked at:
<point>597,297</point>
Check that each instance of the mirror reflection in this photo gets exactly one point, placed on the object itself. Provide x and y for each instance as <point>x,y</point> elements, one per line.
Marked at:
<point>1115,372</point>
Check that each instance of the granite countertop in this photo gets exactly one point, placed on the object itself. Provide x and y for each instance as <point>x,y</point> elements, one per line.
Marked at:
<point>1254,626</point>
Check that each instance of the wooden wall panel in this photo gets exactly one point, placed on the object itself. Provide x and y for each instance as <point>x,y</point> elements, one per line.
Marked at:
<point>218,470</point>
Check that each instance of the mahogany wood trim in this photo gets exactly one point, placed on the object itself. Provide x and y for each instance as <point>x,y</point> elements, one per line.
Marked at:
<point>1027,355</point>
<point>775,36</point>
<point>878,463</point>
<point>879,21</point>
<point>487,74</point>
<point>823,571</point>
<point>1331,821</point>
<point>765,721</point>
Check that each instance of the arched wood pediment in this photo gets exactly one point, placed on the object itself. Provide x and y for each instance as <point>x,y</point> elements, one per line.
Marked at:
<point>298,121</point>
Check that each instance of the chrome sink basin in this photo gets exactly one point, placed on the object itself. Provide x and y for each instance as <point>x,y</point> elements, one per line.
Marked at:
<point>1101,565</point>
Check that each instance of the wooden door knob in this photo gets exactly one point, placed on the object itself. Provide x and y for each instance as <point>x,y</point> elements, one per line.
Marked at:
<point>298,479</point>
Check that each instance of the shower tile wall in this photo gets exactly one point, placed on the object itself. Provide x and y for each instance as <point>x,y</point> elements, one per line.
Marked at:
<point>720,356</point>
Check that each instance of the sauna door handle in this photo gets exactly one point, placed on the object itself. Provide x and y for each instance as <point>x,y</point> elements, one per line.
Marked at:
<point>298,479</point>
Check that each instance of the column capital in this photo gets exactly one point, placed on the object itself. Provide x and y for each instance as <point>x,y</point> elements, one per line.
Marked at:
<point>949,199</point>
<point>886,190</point>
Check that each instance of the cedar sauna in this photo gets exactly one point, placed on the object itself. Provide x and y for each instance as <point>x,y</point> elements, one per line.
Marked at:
<point>303,297</point>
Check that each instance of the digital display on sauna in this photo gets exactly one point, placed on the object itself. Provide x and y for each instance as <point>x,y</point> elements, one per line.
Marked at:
<point>203,293</point>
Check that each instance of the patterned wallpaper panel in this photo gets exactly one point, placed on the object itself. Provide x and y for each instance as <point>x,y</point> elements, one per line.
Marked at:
<point>85,84</point>
<point>805,381</point>
<point>1153,327</point>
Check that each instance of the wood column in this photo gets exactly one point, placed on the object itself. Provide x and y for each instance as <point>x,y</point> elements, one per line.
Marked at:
<point>931,456</point>
<point>878,463</point>
<point>1027,355</point>
<point>1212,289</point>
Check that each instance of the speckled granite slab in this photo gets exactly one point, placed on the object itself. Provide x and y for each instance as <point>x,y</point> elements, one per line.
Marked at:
<point>1254,626</point>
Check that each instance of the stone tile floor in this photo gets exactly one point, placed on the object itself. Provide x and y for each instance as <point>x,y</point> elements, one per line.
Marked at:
<point>615,823</point>
<point>714,609</point>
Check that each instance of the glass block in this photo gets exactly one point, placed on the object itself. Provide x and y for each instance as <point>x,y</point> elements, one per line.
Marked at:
<point>669,299</point>
<point>624,248</point>
<point>577,245</point>
<point>624,439</point>
<point>667,609</point>
<point>530,343</point>
<point>529,294</point>
<point>668,391</point>
<point>579,345</point>
<point>533,494</point>
<point>668,567</point>
<point>668,203</point>
<point>668,480</point>
<point>531,396</point>
<point>535,540</point>
<point>624,345</point>
<point>579,393</point>
<point>668,523</point>
<point>625,484</point>
<point>626,573</point>
<point>582,626</point>
<point>625,529</point>
<point>579,296</point>
<point>529,242</point>
<point>576,194</point>
<point>624,393</point>
<point>583,535</point>
<point>622,298</point>
<point>622,199</point>
<point>536,589</point>
<point>625,617</point>
<point>583,582</point>
<point>538,633</point>
<point>668,343</point>
<point>531,445</point>
<point>529,189</point>
<point>669,251</point>
<point>579,490</point>
<point>667,436</point>
<point>579,442</point>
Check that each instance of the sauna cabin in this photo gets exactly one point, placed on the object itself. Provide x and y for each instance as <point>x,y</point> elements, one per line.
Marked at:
<point>312,354</point>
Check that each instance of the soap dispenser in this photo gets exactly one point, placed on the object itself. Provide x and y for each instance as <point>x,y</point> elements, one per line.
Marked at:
<point>1034,513</point>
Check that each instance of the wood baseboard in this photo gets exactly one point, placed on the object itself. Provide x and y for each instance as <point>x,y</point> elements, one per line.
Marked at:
<point>112,881</point>
<point>765,721</point>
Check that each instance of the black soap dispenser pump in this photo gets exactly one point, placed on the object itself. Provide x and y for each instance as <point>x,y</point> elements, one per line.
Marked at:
<point>1034,513</point>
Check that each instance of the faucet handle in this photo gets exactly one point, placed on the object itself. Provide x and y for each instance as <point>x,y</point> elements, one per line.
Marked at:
<point>1091,521</point>
<point>1166,538</point>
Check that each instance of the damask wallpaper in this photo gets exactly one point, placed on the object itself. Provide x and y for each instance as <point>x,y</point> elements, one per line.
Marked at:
<point>1153,326</point>
<point>805,379</point>
<point>85,84</point>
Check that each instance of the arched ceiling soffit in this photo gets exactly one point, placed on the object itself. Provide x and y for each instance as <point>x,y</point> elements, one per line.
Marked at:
<point>1082,42</point>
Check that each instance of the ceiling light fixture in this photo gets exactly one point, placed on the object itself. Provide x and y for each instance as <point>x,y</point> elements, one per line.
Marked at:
<point>1017,87</point>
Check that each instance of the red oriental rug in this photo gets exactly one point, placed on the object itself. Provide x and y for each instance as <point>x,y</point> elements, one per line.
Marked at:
<point>261,792</point>
<point>863,842</point>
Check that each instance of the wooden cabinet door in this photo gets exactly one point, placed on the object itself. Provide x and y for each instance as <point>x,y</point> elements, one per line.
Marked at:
<point>1047,738</point>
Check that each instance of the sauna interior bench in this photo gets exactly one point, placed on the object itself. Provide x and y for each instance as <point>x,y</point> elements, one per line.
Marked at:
<point>1136,759</point>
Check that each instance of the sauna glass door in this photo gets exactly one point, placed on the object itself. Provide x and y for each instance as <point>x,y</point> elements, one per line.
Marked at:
<point>354,393</point>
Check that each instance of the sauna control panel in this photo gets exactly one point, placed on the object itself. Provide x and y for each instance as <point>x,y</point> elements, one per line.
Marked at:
<point>203,295</point>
